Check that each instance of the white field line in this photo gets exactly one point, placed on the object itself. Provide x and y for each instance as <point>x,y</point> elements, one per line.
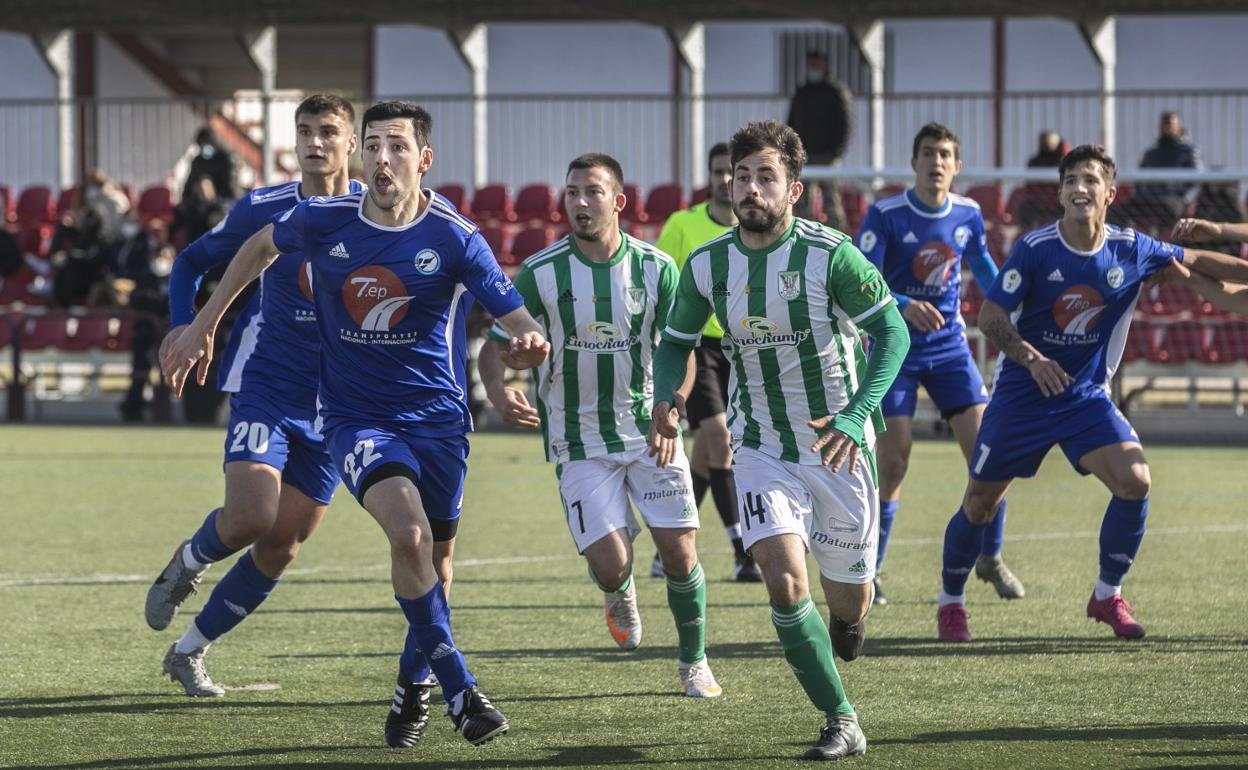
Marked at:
<point>16,581</point>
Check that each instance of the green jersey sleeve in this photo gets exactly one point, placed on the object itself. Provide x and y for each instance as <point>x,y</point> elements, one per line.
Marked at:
<point>526,284</point>
<point>690,309</point>
<point>855,286</point>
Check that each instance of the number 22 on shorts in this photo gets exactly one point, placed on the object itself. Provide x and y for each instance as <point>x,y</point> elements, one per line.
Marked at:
<point>363,450</point>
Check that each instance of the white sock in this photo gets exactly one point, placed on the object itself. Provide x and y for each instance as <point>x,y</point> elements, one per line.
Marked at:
<point>1104,590</point>
<point>188,558</point>
<point>733,531</point>
<point>943,598</point>
<point>192,640</point>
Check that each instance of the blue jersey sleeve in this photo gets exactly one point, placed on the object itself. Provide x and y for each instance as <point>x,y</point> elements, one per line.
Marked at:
<point>1153,255</point>
<point>977,257</point>
<point>215,247</point>
<point>1014,280</point>
<point>485,280</point>
<point>290,229</point>
<point>873,243</point>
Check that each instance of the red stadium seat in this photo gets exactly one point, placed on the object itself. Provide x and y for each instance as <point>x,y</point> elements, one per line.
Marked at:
<point>496,238</point>
<point>1139,343</point>
<point>43,331</point>
<point>991,202</point>
<point>855,206</point>
<point>6,329</point>
<point>457,196</point>
<point>8,205</point>
<point>700,195</point>
<point>997,246</point>
<point>35,206</point>
<point>529,242</point>
<point>83,333</point>
<point>492,203</point>
<point>1178,343</point>
<point>538,203</point>
<point>1227,343</point>
<point>663,201</point>
<point>156,203</point>
<point>634,212</point>
<point>16,287</point>
<point>68,201</point>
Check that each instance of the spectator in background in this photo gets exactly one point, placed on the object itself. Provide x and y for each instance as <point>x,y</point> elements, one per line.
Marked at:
<point>1167,201</point>
<point>1039,200</point>
<point>822,114</point>
<point>200,209</point>
<point>212,160</point>
<point>140,265</point>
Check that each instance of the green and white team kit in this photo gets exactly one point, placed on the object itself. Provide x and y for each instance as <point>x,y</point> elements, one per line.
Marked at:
<point>595,390</point>
<point>791,317</point>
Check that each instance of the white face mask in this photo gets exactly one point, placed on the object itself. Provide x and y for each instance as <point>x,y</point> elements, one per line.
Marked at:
<point>207,151</point>
<point>815,75</point>
<point>130,229</point>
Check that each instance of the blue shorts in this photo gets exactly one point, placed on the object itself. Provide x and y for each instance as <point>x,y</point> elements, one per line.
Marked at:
<point>262,432</point>
<point>1014,438</point>
<point>953,383</point>
<point>436,465</point>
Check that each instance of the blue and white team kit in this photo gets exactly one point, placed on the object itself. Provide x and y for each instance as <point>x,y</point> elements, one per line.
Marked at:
<point>1075,308</point>
<point>920,251</point>
<point>391,303</point>
<point>270,363</point>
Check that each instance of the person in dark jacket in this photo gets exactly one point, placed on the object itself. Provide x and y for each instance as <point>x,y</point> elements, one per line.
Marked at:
<point>1167,201</point>
<point>214,161</point>
<point>822,114</point>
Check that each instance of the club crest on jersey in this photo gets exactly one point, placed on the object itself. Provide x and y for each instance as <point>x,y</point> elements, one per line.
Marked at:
<point>1077,309</point>
<point>961,235</point>
<point>1010,280</point>
<point>427,262</point>
<point>376,300</point>
<point>1114,277</point>
<point>634,300</point>
<point>790,285</point>
<point>867,240</point>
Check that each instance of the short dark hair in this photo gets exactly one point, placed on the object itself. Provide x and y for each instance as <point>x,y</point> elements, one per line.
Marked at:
<point>599,160</point>
<point>422,122</point>
<point>719,148</point>
<point>318,103</point>
<point>768,134</point>
<point>1086,152</point>
<point>937,133</point>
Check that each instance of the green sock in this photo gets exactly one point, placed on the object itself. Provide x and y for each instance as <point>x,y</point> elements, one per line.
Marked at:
<point>623,586</point>
<point>687,598</point>
<point>808,649</point>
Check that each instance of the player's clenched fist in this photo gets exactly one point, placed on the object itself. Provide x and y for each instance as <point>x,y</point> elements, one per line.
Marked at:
<point>527,351</point>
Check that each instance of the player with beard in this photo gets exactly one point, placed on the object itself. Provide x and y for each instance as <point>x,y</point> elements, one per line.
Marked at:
<point>605,296</point>
<point>792,296</point>
<point>390,268</point>
<point>279,475</point>
<point>1060,310</point>
<point>711,461</point>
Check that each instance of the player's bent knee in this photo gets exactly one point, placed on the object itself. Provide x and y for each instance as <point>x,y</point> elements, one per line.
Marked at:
<point>893,467</point>
<point>1135,485</point>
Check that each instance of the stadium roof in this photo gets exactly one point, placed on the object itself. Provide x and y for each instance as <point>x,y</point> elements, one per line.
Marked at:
<point>140,15</point>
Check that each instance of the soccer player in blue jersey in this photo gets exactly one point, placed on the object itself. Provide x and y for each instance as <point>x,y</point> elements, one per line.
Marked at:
<point>1059,310</point>
<point>279,475</point>
<point>919,239</point>
<point>390,270</point>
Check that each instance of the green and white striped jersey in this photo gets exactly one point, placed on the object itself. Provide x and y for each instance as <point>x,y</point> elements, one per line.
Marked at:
<point>595,391</point>
<point>790,315</point>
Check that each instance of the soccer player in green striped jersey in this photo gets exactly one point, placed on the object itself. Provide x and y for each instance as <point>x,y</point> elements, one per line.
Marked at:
<point>603,298</point>
<point>792,297</point>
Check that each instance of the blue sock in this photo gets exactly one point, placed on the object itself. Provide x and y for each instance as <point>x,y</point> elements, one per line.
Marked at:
<point>1122,530</point>
<point>994,535</point>
<point>962,545</point>
<point>413,666</point>
<point>238,594</point>
<point>206,543</point>
<point>429,624</point>
<point>888,512</point>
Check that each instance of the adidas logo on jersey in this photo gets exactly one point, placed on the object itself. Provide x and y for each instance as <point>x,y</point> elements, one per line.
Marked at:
<point>859,568</point>
<point>442,651</point>
<point>339,251</point>
<point>720,289</point>
<point>1056,275</point>
<point>567,296</point>
<point>910,238</point>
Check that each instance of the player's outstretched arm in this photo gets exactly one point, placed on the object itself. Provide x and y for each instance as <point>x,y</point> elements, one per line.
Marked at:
<point>1203,231</point>
<point>1221,267</point>
<point>511,404</point>
<point>1049,375</point>
<point>1232,297</point>
<point>194,345</point>
<point>529,347</point>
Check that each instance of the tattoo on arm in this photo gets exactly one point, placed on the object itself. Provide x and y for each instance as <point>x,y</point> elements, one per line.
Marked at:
<point>1005,336</point>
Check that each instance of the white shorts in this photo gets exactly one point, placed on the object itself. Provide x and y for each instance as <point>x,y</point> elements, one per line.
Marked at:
<point>596,495</point>
<point>837,515</point>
